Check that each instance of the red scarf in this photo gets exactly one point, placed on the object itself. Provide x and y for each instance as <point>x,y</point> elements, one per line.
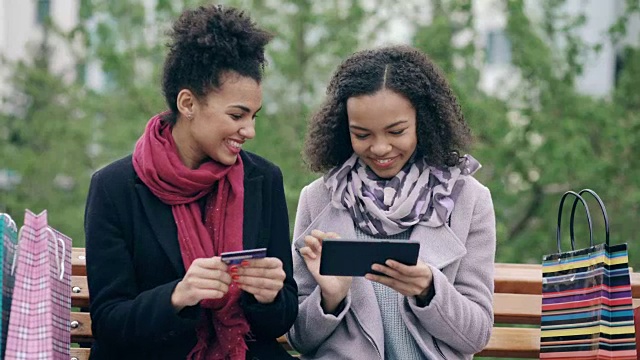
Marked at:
<point>157,163</point>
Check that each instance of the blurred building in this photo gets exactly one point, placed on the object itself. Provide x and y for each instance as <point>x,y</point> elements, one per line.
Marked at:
<point>599,76</point>
<point>22,34</point>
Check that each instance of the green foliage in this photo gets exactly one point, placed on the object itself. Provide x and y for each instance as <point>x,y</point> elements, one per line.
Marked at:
<point>302,57</point>
<point>126,40</point>
<point>543,137</point>
<point>535,140</point>
<point>45,142</point>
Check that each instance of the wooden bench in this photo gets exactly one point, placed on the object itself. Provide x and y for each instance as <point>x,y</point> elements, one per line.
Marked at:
<point>517,304</point>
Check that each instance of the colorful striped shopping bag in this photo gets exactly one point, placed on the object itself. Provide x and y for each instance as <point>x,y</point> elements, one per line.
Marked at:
<point>587,307</point>
<point>9,238</point>
<point>39,326</point>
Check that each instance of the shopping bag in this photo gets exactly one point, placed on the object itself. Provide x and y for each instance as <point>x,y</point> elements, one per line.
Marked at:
<point>636,320</point>
<point>39,320</point>
<point>9,238</point>
<point>587,308</point>
<point>61,295</point>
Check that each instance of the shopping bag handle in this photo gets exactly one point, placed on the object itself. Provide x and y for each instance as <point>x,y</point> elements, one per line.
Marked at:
<point>59,259</point>
<point>15,253</point>
<point>586,208</point>
<point>604,212</point>
<point>11,222</point>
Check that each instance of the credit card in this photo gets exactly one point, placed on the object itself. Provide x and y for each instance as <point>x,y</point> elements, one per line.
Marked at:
<point>236,257</point>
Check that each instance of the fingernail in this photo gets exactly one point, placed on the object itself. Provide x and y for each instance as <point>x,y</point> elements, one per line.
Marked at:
<point>233,269</point>
<point>245,263</point>
<point>235,277</point>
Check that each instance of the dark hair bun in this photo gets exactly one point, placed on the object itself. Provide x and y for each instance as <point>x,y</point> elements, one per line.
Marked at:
<point>220,35</point>
<point>205,43</point>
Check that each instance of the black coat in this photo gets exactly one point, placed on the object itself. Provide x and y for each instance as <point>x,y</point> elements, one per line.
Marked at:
<point>134,264</point>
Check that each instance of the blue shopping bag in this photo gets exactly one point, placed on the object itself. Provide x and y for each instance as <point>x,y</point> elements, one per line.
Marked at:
<point>9,239</point>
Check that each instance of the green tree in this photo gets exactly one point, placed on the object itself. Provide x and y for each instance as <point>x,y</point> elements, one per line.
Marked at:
<point>311,39</point>
<point>125,39</point>
<point>543,137</point>
<point>45,143</point>
<point>536,140</point>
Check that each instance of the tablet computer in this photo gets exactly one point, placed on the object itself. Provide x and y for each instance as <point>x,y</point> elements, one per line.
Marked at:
<point>347,257</point>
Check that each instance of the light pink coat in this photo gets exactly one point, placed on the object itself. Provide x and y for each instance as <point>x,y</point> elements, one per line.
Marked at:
<point>455,325</point>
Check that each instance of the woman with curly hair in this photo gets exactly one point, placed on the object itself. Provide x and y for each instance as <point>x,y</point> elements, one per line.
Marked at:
<point>388,138</point>
<point>157,221</point>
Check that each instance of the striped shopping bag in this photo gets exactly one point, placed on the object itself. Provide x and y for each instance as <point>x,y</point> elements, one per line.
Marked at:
<point>9,238</point>
<point>39,325</point>
<point>636,318</point>
<point>587,308</point>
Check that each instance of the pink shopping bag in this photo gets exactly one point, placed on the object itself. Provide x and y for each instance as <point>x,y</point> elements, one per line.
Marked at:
<point>39,320</point>
<point>61,295</point>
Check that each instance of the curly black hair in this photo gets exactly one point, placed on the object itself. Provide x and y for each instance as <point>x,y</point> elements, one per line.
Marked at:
<point>441,129</point>
<point>206,43</point>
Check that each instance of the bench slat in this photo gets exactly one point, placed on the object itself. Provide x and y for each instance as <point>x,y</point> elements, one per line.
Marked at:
<point>78,262</point>
<point>81,333</point>
<point>80,353</point>
<point>518,280</point>
<point>527,279</point>
<point>513,342</point>
<point>80,298</point>
<point>517,309</point>
<point>522,308</point>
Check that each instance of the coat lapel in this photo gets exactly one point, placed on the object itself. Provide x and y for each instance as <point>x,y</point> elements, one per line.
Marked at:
<point>251,221</point>
<point>252,210</point>
<point>330,219</point>
<point>164,227</point>
<point>367,310</point>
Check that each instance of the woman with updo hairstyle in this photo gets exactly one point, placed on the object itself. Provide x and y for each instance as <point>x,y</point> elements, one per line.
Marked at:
<point>157,221</point>
<point>388,139</point>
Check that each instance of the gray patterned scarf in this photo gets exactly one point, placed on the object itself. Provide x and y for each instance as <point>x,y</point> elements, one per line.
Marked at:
<point>418,194</point>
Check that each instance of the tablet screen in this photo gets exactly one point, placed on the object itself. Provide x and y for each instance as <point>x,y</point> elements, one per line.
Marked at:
<point>347,257</point>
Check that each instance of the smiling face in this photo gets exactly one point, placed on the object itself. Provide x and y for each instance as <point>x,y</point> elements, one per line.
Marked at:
<point>216,126</point>
<point>383,130</point>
